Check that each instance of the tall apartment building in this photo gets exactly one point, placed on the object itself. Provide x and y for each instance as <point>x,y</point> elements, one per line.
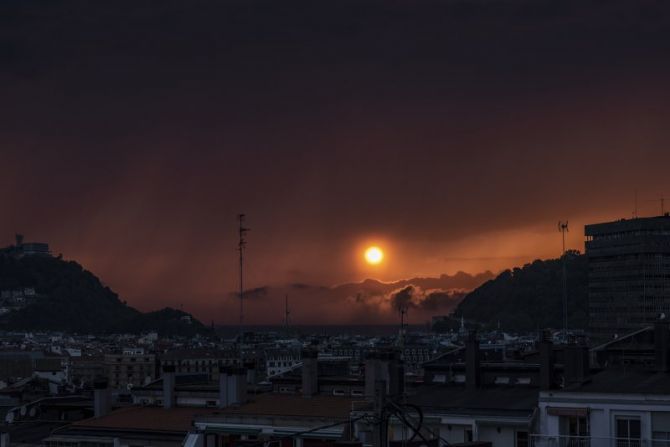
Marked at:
<point>629,274</point>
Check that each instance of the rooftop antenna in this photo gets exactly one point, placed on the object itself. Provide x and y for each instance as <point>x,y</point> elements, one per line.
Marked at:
<point>635,211</point>
<point>287,312</point>
<point>240,247</point>
<point>563,228</point>
<point>662,205</point>
<point>402,308</point>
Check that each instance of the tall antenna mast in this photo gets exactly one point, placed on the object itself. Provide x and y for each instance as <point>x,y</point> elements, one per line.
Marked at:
<point>402,308</point>
<point>240,247</point>
<point>662,205</point>
<point>287,312</point>
<point>635,212</point>
<point>563,228</point>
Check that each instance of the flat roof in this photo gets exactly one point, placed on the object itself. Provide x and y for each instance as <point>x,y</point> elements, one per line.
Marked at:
<point>638,223</point>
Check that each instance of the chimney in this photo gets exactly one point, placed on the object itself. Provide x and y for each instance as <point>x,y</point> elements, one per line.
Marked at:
<point>662,345</point>
<point>384,366</point>
<point>472,362</point>
<point>372,372</point>
<point>546,351</point>
<point>168,386</point>
<point>310,372</point>
<point>232,387</point>
<point>251,372</point>
<point>396,375</point>
<point>240,381</point>
<point>576,364</point>
<point>102,402</point>
<point>223,387</point>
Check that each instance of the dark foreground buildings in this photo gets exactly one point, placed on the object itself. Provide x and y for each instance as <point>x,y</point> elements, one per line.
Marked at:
<point>629,273</point>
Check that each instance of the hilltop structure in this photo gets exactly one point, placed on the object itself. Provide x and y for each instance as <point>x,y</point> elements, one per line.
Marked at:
<point>21,248</point>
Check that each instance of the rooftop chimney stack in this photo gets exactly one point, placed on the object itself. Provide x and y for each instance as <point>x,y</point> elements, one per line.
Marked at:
<point>310,372</point>
<point>251,372</point>
<point>662,344</point>
<point>576,369</point>
<point>396,375</point>
<point>372,372</point>
<point>472,362</point>
<point>232,387</point>
<point>102,401</point>
<point>240,386</point>
<point>169,379</point>
<point>546,351</point>
<point>223,387</point>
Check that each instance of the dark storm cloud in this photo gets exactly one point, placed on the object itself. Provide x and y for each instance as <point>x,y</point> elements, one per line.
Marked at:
<point>133,132</point>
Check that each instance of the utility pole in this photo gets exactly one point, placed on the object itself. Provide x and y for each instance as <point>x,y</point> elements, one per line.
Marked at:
<point>563,228</point>
<point>240,247</point>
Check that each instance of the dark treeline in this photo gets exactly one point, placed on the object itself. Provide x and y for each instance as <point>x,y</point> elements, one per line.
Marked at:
<point>531,297</point>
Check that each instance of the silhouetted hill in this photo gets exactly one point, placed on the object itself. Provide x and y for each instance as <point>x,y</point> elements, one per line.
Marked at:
<point>531,297</point>
<point>69,298</point>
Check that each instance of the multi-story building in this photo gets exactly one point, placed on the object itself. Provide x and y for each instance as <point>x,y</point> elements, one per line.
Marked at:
<point>629,274</point>
<point>85,370</point>
<point>202,361</point>
<point>130,369</point>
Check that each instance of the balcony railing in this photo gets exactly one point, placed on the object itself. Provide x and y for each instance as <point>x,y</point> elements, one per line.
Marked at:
<point>591,441</point>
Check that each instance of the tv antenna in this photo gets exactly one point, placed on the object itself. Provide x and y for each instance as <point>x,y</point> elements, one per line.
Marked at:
<point>287,312</point>
<point>240,247</point>
<point>563,228</point>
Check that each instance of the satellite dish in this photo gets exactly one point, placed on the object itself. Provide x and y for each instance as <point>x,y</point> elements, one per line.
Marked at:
<point>24,410</point>
<point>10,417</point>
<point>33,412</point>
<point>662,317</point>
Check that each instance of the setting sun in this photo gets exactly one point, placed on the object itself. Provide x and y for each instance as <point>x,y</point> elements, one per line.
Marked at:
<point>374,255</point>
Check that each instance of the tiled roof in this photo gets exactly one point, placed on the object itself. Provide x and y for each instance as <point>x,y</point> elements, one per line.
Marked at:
<point>146,418</point>
<point>180,418</point>
<point>293,405</point>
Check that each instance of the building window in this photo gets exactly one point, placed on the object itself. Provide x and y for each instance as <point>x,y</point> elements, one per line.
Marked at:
<point>577,426</point>
<point>661,438</point>
<point>521,439</point>
<point>628,432</point>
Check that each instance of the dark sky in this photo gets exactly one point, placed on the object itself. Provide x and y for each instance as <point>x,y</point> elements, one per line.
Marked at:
<point>454,133</point>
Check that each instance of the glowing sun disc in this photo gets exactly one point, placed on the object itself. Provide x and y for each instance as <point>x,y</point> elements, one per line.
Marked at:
<point>374,255</point>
